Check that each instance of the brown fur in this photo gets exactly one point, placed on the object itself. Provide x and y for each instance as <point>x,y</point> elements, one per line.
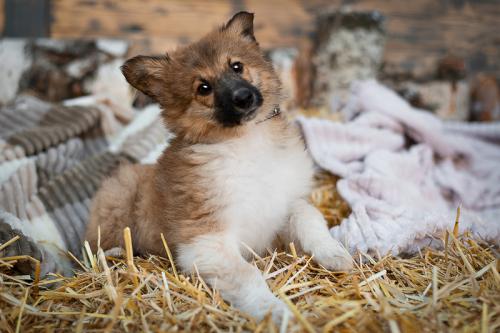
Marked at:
<point>231,177</point>
<point>169,197</point>
<point>172,80</point>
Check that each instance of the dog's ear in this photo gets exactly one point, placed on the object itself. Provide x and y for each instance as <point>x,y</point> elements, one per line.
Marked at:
<point>147,74</point>
<point>242,24</point>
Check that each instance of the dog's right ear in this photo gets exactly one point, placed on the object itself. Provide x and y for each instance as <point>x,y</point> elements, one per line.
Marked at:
<point>147,74</point>
<point>242,24</point>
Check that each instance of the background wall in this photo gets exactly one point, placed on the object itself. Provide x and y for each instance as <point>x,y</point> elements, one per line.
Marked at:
<point>419,32</point>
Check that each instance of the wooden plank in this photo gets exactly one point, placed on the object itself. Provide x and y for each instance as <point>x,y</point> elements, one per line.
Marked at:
<point>183,20</point>
<point>155,18</point>
<point>418,32</point>
<point>2,16</point>
<point>421,32</point>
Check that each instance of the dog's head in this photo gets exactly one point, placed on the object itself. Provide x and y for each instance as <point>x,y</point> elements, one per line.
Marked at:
<point>212,89</point>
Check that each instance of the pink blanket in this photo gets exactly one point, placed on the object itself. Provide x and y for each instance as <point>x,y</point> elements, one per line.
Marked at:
<point>404,172</point>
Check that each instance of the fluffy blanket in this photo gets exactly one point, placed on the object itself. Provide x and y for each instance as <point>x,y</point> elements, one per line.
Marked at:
<point>404,172</point>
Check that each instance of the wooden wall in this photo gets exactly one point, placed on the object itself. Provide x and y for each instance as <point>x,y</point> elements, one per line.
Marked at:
<point>419,32</point>
<point>163,23</point>
<point>2,16</point>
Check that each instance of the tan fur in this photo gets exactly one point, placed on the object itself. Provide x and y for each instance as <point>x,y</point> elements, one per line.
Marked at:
<point>165,198</point>
<point>221,184</point>
<point>168,197</point>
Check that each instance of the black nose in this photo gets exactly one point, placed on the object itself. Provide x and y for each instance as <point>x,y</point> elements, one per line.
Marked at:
<point>243,98</point>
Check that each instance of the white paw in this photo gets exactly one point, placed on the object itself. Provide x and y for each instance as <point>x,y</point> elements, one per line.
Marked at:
<point>278,311</point>
<point>332,256</point>
<point>275,306</point>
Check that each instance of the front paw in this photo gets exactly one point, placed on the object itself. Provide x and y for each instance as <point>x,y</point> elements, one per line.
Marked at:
<point>331,255</point>
<point>272,305</point>
<point>279,310</point>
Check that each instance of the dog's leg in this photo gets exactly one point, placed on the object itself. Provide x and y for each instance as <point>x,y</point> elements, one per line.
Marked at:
<point>308,228</point>
<point>219,262</point>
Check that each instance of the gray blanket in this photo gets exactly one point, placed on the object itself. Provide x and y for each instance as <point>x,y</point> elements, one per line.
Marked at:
<point>53,158</point>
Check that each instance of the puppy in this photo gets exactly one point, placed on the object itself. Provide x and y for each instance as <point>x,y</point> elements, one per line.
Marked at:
<point>235,176</point>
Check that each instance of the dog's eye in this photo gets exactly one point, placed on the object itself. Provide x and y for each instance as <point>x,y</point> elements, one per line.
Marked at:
<point>204,89</point>
<point>237,67</point>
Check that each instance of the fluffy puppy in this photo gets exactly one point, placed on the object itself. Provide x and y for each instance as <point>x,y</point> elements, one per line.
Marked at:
<point>236,174</point>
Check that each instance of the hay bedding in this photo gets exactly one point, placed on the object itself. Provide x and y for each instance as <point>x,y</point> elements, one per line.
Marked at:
<point>454,289</point>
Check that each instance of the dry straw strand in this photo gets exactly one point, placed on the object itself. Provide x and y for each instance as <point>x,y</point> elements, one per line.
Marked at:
<point>453,289</point>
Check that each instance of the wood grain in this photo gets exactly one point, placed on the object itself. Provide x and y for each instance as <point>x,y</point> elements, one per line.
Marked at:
<point>419,32</point>
<point>182,21</point>
<point>74,18</point>
<point>2,16</point>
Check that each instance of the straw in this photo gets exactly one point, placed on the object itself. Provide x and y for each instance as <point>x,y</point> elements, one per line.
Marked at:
<point>456,289</point>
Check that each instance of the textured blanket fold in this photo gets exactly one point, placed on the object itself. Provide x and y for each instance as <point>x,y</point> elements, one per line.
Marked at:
<point>53,159</point>
<point>404,172</point>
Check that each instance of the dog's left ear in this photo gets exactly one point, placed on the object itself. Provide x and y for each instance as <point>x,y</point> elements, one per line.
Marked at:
<point>242,24</point>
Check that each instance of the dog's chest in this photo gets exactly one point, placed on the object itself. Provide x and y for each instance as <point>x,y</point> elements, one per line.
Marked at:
<point>255,181</point>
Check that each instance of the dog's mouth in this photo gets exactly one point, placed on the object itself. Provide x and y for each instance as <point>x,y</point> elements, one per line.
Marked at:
<point>231,115</point>
<point>250,114</point>
<point>233,118</point>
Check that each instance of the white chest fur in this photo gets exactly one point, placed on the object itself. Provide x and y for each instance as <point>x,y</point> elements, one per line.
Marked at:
<point>256,181</point>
